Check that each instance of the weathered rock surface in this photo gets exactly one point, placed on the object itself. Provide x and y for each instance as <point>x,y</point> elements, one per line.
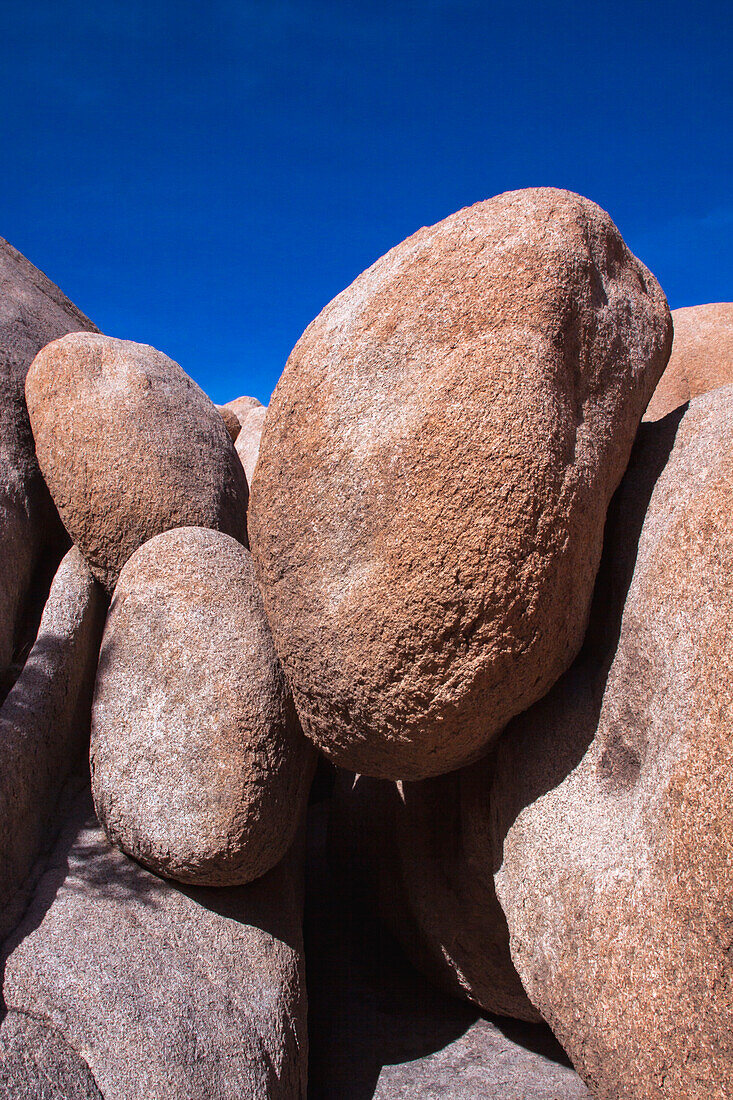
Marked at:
<point>248,440</point>
<point>199,768</point>
<point>44,723</point>
<point>431,489</point>
<point>129,447</point>
<point>424,852</point>
<point>701,359</point>
<point>484,1063</point>
<point>614,794</point>
<point>230,420</point>
<point>379,1030</point>
<point>36,1063</point>
<point>160,992</point>
<point>33,311</point>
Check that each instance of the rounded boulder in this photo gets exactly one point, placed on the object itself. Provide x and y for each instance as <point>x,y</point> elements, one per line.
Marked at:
<point>609,802</point>
<point>432,483</point>
<point>701,359</point>
<point>199,768</point>
<point>242,406</point>
<point>231,421</point>
<point>249,438</point>
<point>129,447</point>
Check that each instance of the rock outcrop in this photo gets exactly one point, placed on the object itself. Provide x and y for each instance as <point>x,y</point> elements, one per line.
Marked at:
<point>613,795</point>
<point>44,723</point>
<point>199,768</point>
<point>129,447</point>
<point>432,484</point>
<point>140,989</point>
<point>32,312</point>
<point>701,359</point>
<point>501,606</point>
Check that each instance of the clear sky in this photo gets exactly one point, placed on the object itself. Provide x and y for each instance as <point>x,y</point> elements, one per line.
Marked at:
<point>205,177</point>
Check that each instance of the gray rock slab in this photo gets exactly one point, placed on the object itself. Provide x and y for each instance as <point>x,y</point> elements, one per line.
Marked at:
<point>36,1063</point>
<point>44,725</point>
<point>163,992</point>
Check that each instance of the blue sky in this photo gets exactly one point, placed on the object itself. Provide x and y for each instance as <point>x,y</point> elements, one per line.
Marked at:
<point>206,177</point>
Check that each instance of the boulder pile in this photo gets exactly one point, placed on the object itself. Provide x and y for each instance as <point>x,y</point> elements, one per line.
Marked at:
<point>450,558</point>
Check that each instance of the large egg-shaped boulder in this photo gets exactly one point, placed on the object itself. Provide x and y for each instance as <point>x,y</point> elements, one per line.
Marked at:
<point>433,478</point>
<point>199,768</point>
<point>129,447</point>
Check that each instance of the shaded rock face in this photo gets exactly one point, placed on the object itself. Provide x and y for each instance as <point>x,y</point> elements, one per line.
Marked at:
<point>424,850</point>
<point>614,794</point>
<point>44,723</point>
<point>199,767</point>
<point>431,489</point>
<point>379,1031</point>
<point>157,991</point>
<point>129,447</point>
<point>32,312</point>
<point>36,1063</point>
<point>230,420</point>
<point>248,440</point>
<point>701,359</point>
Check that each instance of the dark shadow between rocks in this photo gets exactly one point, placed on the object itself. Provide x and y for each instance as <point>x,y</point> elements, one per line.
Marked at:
<point>624,521</point>
<point>368,1007</point>
<point>32,610</point>
<point>537,1038</point>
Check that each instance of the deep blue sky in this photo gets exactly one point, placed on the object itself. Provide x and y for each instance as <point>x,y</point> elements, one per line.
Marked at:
<point>205,177</point>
